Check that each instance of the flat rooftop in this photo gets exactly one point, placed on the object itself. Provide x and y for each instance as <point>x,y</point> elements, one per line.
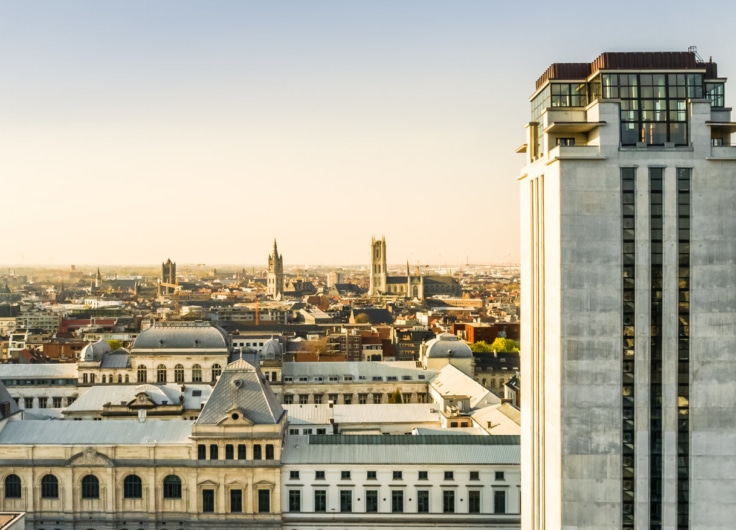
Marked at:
<point>628,61</point>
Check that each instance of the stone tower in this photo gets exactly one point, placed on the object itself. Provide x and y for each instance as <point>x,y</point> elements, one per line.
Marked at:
<point>168,275</point>
<point>275,279</point>
<point>378,266</point>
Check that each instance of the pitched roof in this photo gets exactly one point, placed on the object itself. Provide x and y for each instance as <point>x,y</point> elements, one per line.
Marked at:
<point>39,371</point>
<point>418,449</point>
<point>241,387</point>
<point>119,358</point>
<point>451,381</point>
<point>97,397</point>
<point>6,398</point>
<point>387,413</point>
<point>90,432</point>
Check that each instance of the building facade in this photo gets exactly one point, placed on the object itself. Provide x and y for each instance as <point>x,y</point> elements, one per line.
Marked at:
<point>629,296</point>
<point>222,471</point>
<point>396,482</point>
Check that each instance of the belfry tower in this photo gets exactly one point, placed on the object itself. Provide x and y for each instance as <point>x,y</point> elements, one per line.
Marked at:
<point>275,279</point>
<point>378,266</point>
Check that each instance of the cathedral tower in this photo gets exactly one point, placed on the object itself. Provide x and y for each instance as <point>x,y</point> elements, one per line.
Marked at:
<point>275,279</point>
<point>168,275</point>
<point>378,266</point>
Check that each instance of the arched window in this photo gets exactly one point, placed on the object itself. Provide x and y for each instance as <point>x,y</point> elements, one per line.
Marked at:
<point>132,487</point>
<point>142,374</point>
<point>12,487</point>
<point>172,487</point>
<point>90,487</point>
<point>161,373</point>
<point>120,378</point>
<point>216,371</point>
<point>49,487</point>
<point>178,373</point>
<point>196,374</point>
<point>103,379</point>
<point>127,378</point>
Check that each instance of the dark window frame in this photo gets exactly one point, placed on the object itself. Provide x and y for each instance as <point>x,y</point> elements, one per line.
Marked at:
<point>132,487</point>
<point>90,487</point>
<point>172,487</point>
<point>13,486</point>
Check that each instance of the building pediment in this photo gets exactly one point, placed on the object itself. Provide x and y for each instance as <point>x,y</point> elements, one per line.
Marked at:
<point>235,416</point>
<point>142,400</point>
<point>90,457</point>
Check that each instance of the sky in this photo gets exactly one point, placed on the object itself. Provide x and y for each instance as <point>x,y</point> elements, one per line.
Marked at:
<point>132,131</point>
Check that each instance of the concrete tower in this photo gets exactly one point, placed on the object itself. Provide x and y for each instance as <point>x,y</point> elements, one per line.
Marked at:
<point>629,297</point>
<point>275,278</point>
<point>379,272</point>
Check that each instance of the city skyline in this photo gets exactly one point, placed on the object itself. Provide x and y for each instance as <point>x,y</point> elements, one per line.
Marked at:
<point>136,131</point>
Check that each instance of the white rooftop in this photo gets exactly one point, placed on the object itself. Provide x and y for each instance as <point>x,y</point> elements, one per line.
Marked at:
<point>45,371</point>
<point>90,432</point>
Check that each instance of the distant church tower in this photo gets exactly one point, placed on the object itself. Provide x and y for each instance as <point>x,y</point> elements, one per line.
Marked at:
<point>275,279</point>
<point>98,279</point>
<point>168,275</point>
<point>378,266</point>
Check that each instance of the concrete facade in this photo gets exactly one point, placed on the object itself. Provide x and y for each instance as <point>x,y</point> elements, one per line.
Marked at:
<point>613,435</point>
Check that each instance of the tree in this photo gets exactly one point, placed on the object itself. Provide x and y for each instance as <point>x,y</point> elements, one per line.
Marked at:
<point>481,347</point>
<point>503,344</point>
<point>395,396</point>
<point>362,318</point>
<point>114,344</point>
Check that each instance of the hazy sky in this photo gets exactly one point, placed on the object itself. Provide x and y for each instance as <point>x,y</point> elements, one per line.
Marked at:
<point>134,131</point>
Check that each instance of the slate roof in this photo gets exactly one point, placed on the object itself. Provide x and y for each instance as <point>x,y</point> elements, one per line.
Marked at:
<point>499,419</point>
<point>186,336</point>
<point>356,370</point>
<point>310,414</point>
<point>387,413</point>
<point>240,386</point>
<point>401,450</point>
<point>95,351</point>
<point>39,371</point>
<point>451,381</point>
<point>444,280</point>
<point>96,397</point>
<point>90,432</point>
<point>6,398</point>
<point>447,345</point>
<point>455,431</point>
<point>119,358</point>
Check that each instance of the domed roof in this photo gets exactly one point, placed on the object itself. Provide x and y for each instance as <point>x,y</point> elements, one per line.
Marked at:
<point>94,351</point>
<point>271,349</point>
<point>198,336</point>
<point>447,345</point>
